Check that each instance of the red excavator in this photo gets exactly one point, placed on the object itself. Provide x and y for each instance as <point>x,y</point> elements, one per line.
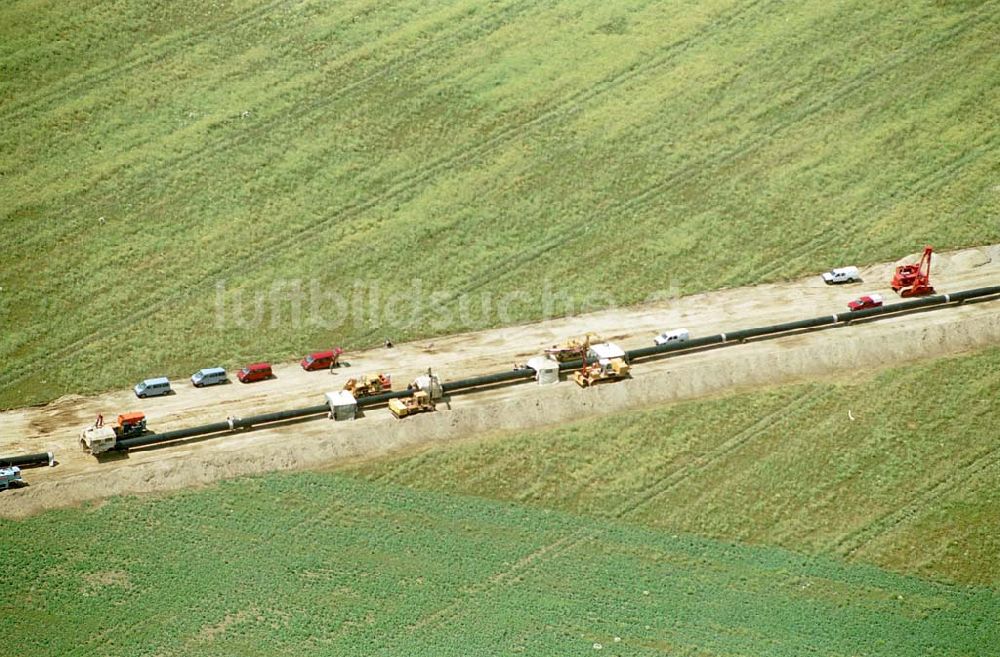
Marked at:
<point>914,280</point>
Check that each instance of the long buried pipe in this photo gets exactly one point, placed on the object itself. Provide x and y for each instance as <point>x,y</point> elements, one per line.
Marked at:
<point>527,373</point>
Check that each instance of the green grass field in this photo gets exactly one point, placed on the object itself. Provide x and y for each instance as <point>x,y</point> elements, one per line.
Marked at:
<point>911,484</point>
<point>326,565</point>
<point>153,152</point>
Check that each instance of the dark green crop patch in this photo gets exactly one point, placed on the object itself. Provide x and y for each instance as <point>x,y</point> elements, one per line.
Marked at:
<point>325,564</point>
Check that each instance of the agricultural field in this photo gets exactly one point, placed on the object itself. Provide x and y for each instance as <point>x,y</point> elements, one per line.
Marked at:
<point>190,184</point>
<point>165,165</point>
<point>911,483</point>
<point>326,564</point>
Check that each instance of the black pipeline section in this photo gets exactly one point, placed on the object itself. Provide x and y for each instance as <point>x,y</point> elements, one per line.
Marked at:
<point>27,460</point>
<point>805,324</point>
<point>489,379</point>
<point>527,373</point>
<point>218,427</point>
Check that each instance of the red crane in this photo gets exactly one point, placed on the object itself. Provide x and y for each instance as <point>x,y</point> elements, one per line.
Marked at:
<point>914,280</point>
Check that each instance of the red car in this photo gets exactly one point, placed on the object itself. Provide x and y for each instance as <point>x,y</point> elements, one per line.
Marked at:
<point>321,360</point>
<point>867,301</point>
<point>255,372</point>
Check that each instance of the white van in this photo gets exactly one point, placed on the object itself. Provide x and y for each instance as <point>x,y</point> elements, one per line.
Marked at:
<point>677,335</point>
<point>152,388</point>
<point>208,376</point>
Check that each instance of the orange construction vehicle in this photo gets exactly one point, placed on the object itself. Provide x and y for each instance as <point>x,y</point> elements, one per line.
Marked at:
<point>914,280</point>
<point>99,438</point>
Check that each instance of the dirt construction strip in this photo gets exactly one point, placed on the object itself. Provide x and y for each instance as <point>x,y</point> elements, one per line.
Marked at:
<point>318,443</point>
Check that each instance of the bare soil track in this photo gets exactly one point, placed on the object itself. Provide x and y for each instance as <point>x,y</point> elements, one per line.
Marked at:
<point>317,443</point>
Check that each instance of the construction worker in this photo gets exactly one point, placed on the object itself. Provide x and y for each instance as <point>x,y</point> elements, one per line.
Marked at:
<point>100,421</point>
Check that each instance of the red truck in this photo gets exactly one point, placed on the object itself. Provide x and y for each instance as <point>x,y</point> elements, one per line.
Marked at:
<point>321,360</point>
<point>867,301</point>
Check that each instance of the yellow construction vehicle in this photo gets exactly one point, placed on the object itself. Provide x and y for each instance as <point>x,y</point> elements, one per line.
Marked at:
<point>602,363</point>
<point>368,384</point>
<point>419,402</point>
<point>571,349</point>
<point>427,390</point>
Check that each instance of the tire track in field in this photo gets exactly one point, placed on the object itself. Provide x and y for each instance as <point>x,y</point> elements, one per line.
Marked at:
<point>409,183</point>
<point>576,538</point>
<point>800,404</point>
<point>921,501</point>
<point>596,472</point>
<point>338,69</point>
<point>923,184</point>
<point>856,84</point>
<point>830,494</point>
<point>91,78</point>
<point>180,164</point>
<point>754,142</point>
<point>477,29</point>
<point>972,204</point>
<point>398,475</point>
<point>691,170</point>
<point>923,498</point>
<point>261,128</point>
<point>844,231</point>
<point>526,563</point>
<point>302,111</point>
<point>927,182</point>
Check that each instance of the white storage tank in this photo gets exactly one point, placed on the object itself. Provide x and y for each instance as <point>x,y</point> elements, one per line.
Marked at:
<point>343,405</point>
<point>546,370</point>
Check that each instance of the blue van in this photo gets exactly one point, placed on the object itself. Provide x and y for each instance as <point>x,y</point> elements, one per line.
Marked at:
<point>208,376</point>
<point>152,388</point>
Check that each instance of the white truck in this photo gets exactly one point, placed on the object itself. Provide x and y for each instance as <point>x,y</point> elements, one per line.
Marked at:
<point>841,275</point>
<point>677,335</point>
<point>99,438</point>
<point>10,476</point>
